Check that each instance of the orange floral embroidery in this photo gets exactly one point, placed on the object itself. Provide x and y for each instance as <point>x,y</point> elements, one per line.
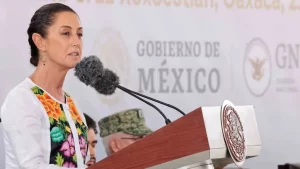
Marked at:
<point>52,108</point>
<point>73,110</point>
<point>60,131</point>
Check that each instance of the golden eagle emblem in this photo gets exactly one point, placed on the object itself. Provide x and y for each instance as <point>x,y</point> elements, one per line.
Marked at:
<point>257,65</point>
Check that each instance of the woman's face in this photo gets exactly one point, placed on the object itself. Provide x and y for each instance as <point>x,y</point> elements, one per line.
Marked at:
<point>63,44</point>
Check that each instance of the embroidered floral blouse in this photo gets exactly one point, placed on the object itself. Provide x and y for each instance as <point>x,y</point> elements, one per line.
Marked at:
<point>41,132</point>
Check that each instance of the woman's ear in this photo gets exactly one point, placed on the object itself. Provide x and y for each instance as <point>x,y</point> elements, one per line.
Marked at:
<point>115,145</point>
<point>38,41</point>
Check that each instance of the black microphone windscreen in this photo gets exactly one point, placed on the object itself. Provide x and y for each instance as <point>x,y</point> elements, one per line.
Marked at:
<point>89,70</point>
<point>108,83</point>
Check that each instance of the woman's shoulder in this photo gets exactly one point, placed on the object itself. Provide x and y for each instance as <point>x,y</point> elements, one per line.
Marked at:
<point>22,91</point>
<point>20,103</point>
<point>21,96</point>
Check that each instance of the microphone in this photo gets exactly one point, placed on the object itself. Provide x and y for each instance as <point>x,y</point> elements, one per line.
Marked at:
<point>116,83</point>
<point>112,75</point>
<point>90,71</point>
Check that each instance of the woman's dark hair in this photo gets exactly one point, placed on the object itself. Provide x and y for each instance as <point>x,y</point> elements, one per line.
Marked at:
<point>42,19</point>
<point>90,123</point>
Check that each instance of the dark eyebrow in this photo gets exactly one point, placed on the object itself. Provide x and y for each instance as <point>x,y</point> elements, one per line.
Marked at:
<point>66,26</point>
<point>94,142</point>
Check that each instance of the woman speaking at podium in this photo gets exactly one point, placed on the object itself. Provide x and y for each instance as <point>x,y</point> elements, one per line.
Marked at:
<point>43,129</point>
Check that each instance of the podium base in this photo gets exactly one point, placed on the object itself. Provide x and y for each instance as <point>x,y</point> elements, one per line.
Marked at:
<point>204,165</point>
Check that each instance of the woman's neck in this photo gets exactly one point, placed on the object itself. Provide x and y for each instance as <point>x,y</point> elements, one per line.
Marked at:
<point>51,78</point>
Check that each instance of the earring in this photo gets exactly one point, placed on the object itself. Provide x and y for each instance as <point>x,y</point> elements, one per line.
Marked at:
<point>44,59</point>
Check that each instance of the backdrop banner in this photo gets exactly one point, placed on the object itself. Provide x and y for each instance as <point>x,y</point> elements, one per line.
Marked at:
<point>189,53</point>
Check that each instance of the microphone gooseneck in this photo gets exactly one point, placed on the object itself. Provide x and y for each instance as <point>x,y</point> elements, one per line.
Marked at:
<point>110,81</point>
<point>167,121</point>
<point>150,98</point>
